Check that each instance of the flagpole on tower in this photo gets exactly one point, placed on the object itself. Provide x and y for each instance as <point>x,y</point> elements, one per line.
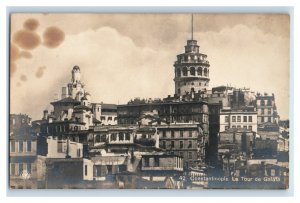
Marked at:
<point>192,26</point>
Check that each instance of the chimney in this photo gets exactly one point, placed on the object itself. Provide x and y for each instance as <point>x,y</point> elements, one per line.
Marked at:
<point>45,116</point>
<point>64,92</point>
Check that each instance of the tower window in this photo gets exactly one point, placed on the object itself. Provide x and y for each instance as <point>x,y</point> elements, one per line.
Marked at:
<point>184,71</point>
<point>178,72</point>
<point>192,71</point>
<point>199,71</point>
<point>205,72</point>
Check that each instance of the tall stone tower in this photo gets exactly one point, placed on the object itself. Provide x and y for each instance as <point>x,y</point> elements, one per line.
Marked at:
<point>74,89</point>
<point>191,69</point>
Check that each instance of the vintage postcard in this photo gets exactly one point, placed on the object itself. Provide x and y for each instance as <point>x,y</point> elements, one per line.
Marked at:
<point>149,101</point>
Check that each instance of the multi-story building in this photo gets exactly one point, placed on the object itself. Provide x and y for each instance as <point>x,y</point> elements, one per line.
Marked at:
<point>19,123</point>
<point>23,162</point>
<point>182,126</point>
<point>172,110</point>
<point>217,99</point>
<point>184,140</point>
<point>266,108</point>
<point>26,166</point>
<point>105,113</point>
<point>236,141</point>
<point>63,148</point>
<point>245,118</point>
<point>68,173</point>
<point>161,171</point>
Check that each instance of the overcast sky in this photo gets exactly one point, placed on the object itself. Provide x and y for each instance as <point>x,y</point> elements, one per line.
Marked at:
<point>123,56</point>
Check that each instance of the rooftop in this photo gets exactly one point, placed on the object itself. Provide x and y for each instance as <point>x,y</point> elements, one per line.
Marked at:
<point>66,101</point>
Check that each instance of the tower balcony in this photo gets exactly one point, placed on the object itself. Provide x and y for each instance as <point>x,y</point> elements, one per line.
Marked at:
<point>192,62</point>
<point>190,78</point>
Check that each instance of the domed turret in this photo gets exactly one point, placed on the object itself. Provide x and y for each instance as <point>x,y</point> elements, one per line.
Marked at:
<point>75,74</point>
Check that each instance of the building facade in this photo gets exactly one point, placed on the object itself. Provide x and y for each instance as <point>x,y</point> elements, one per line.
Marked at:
<point>184,140</point>
<point>266,108</point>
<point>26,167</point>
<point>105,113</point>
<point>246,119</point>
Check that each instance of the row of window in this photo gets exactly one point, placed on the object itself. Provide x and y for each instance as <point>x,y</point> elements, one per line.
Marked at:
<point>266,119</point>
<point>184,109</point>
<point>58,128</point>
<point>266,102</point>
<point>100,138</point>
<point>192,83</point>
<point>238,118</point>
<point>182,144</point>
<point>185,57</point>
<point>239,126</point>
<point>155,162</point>
<point>19,146</point>
<point>109,118</point>
<point>190,154</point>
<point>200,71</point>
<point>120,136</point>
<point>181,133</point>
<point>113,137</point>
<point>16,169</point>
<point>13,121</point>
<point>103,170</point>
<point>263,111</point>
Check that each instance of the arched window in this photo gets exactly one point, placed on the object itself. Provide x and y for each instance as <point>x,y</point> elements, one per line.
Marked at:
<point>178,72</point>
<point>184,71</point>
<point>121,136</point>
<point>199,71</point>
<point>113,137</point>
<point>192,71</point>
<point>97,138</point>
<point>205,72</point>
<point>103,138</point>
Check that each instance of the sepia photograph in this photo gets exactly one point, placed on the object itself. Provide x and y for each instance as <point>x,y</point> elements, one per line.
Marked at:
<point>149,101</point>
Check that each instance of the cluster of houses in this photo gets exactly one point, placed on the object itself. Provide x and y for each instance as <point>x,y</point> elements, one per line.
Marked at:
<point>187,140</point>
